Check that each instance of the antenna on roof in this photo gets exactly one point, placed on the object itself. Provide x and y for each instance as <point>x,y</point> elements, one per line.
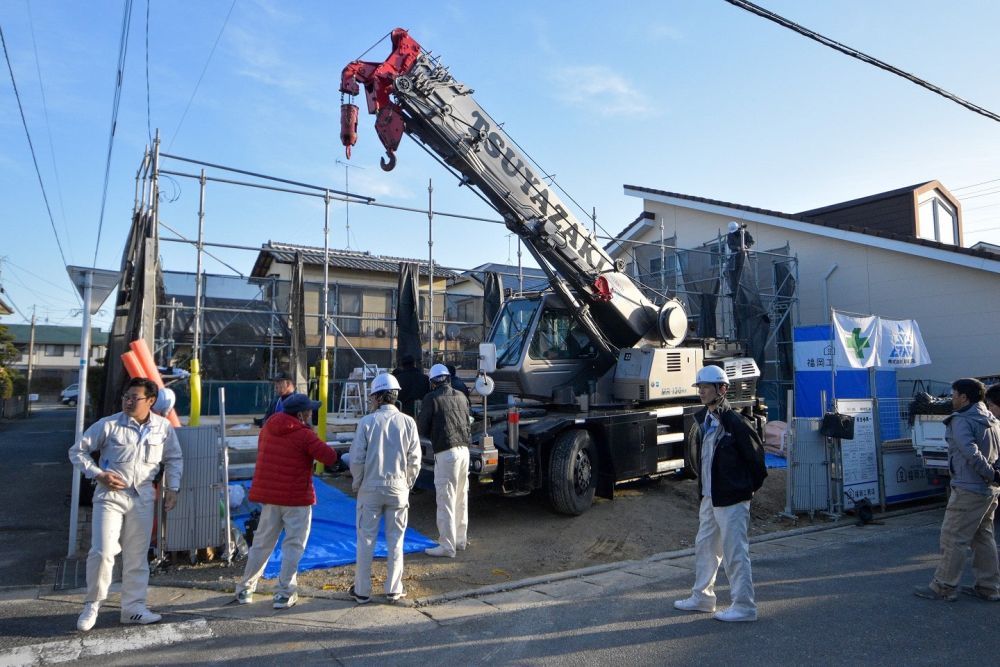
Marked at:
<point>347,200</point>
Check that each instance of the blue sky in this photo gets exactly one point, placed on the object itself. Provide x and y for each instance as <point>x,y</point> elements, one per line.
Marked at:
<point>698,97</point>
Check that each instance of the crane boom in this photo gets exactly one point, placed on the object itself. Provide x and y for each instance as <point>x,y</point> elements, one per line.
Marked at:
<point>414,93</point>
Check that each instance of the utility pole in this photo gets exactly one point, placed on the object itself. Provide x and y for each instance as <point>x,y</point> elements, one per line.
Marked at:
<point>31,365</point>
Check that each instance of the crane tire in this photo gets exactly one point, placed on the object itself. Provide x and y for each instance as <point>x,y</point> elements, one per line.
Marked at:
<point>573,472</point>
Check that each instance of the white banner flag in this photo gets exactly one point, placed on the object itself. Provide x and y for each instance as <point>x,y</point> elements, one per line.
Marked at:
<point>856,341</point>
<point>900,344</point>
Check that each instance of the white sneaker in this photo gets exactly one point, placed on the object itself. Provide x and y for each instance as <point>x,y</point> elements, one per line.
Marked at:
<point>695,604</point>
<point>462,546</point>
<point>141,616</point>
<point>439,551</point>
<point>88,617</point>
<point>736,615</point>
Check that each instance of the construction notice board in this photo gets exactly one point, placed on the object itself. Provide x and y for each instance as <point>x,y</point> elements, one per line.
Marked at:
<point>859,457</point>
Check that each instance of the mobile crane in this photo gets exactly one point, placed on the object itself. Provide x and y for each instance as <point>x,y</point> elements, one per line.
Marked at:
<point>609,371</point>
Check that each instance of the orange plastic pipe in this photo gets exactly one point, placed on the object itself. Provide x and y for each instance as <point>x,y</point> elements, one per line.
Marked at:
<point>146,361</point>
<point>132,365</point>
<point>147,369</point>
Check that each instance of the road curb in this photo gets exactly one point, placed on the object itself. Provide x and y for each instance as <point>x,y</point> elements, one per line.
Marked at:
<point>655,558</point>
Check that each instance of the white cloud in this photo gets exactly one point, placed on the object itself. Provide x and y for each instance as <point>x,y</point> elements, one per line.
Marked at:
<point>600,90</point>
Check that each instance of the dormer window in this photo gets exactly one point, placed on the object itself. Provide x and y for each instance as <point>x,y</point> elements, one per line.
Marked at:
<point>937,219</point>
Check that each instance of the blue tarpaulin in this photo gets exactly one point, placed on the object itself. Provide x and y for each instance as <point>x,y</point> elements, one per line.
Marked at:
<point>774,461</point>
<point>333,537</point>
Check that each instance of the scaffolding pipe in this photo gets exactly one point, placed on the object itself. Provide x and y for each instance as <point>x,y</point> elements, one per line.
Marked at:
<point>194,418</point>
<point>430,268</point>
<point>324,372</point>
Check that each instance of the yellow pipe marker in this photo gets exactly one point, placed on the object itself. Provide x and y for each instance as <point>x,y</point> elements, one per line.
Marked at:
<point>324,383</point>
<point>194,418</point>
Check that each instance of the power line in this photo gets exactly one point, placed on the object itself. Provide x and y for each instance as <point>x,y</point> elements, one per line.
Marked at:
<point>48,129</point>
<point>985,193</point>
<point>119,80</point>
<point>31,146</point>
<point>974,185</point>
<point>202,76</point>
<point>863,57</point>
<point>149,125</point>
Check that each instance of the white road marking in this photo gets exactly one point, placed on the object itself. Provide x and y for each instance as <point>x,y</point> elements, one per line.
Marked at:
<point>94,644</point>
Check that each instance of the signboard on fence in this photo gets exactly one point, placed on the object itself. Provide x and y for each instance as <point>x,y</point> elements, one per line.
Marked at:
<point>859,458</point>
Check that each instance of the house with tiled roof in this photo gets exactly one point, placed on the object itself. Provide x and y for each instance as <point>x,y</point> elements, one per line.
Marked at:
<point>897,254</point>
<point>362,301</point>
<point>56,354</point>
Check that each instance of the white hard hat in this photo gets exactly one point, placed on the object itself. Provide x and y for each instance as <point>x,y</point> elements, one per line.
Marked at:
<point>711,375</point>
<point>165,399</point>
<point>733,226</point>
<point>385,382</point>
<point>438,370</point>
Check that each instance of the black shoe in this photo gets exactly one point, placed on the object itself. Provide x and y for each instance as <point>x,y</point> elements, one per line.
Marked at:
<point>360,599</point>
<point>929,593</point>
<point>986,596</point>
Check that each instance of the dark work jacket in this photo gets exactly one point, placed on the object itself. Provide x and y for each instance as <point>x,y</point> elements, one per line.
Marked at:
<point>413,386</point>
<point>738,468</point>
<point>444,418</point>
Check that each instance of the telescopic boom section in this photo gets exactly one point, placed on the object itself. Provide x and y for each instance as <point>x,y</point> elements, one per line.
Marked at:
<point>432,107</point>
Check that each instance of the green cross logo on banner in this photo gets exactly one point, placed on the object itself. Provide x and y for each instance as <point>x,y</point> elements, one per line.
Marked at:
<point>857,342</point>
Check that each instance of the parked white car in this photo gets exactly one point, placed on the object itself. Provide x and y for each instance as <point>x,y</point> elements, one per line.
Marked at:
<point>70,394</point>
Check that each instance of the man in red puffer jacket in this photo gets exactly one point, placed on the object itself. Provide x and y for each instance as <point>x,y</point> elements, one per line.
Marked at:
<point>282,484</point>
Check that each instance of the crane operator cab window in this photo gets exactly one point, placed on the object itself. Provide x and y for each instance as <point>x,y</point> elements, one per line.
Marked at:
<point>511,330</point>
<point>560,336</point>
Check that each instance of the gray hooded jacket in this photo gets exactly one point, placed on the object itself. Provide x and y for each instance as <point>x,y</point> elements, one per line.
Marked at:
<point>973,435</point>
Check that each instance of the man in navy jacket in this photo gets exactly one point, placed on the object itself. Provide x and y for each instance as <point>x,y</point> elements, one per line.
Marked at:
<point>731,469</point>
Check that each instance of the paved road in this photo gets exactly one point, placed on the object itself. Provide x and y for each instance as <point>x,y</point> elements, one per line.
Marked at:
<point>830,597</point>
<point>35,479</point>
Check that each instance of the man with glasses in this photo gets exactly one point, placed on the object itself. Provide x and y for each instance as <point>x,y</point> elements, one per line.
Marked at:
<point>132,445</point>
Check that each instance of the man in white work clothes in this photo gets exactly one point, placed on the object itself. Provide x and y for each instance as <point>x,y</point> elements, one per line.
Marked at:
<point>732,469</point>
<point>385,462</point>
<point>132,445</point>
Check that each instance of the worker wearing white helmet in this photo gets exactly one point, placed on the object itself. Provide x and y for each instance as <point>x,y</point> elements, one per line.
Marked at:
<point>385,461</point>
<point>444,418</point>
<point>731,469</point>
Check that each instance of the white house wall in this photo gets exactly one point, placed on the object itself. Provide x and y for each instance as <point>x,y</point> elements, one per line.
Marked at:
<point>956,306</point>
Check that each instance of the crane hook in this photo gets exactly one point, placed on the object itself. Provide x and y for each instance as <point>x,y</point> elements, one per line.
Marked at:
<point>391,164</point>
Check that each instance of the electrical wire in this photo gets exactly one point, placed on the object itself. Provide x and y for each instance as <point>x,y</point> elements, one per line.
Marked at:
<point>119,81</point>
<point>974,185</point>
<point>202,76</point>
<point>31,146</point>
<point>48,129</point>
<point>863,57</point>
<point>149,124</point>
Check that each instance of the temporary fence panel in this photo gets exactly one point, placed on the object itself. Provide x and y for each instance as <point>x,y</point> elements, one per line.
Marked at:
<point>199,519</point>
<point>808,468</point>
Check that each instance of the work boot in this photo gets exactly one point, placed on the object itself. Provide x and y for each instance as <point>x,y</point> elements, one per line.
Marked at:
<point>736,614</point>
<point>439,552</point>
<point>88,617</point>
<point>931,593</point>
<point>695,604</point>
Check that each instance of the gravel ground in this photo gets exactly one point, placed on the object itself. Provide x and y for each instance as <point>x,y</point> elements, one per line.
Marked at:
<point>515,538</point>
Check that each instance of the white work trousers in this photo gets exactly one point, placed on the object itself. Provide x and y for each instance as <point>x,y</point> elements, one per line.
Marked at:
<point>722,539</point>
<point>451,483</point>
<point>296,522</point>
<point>372,505</point>
<point>122,521</point>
